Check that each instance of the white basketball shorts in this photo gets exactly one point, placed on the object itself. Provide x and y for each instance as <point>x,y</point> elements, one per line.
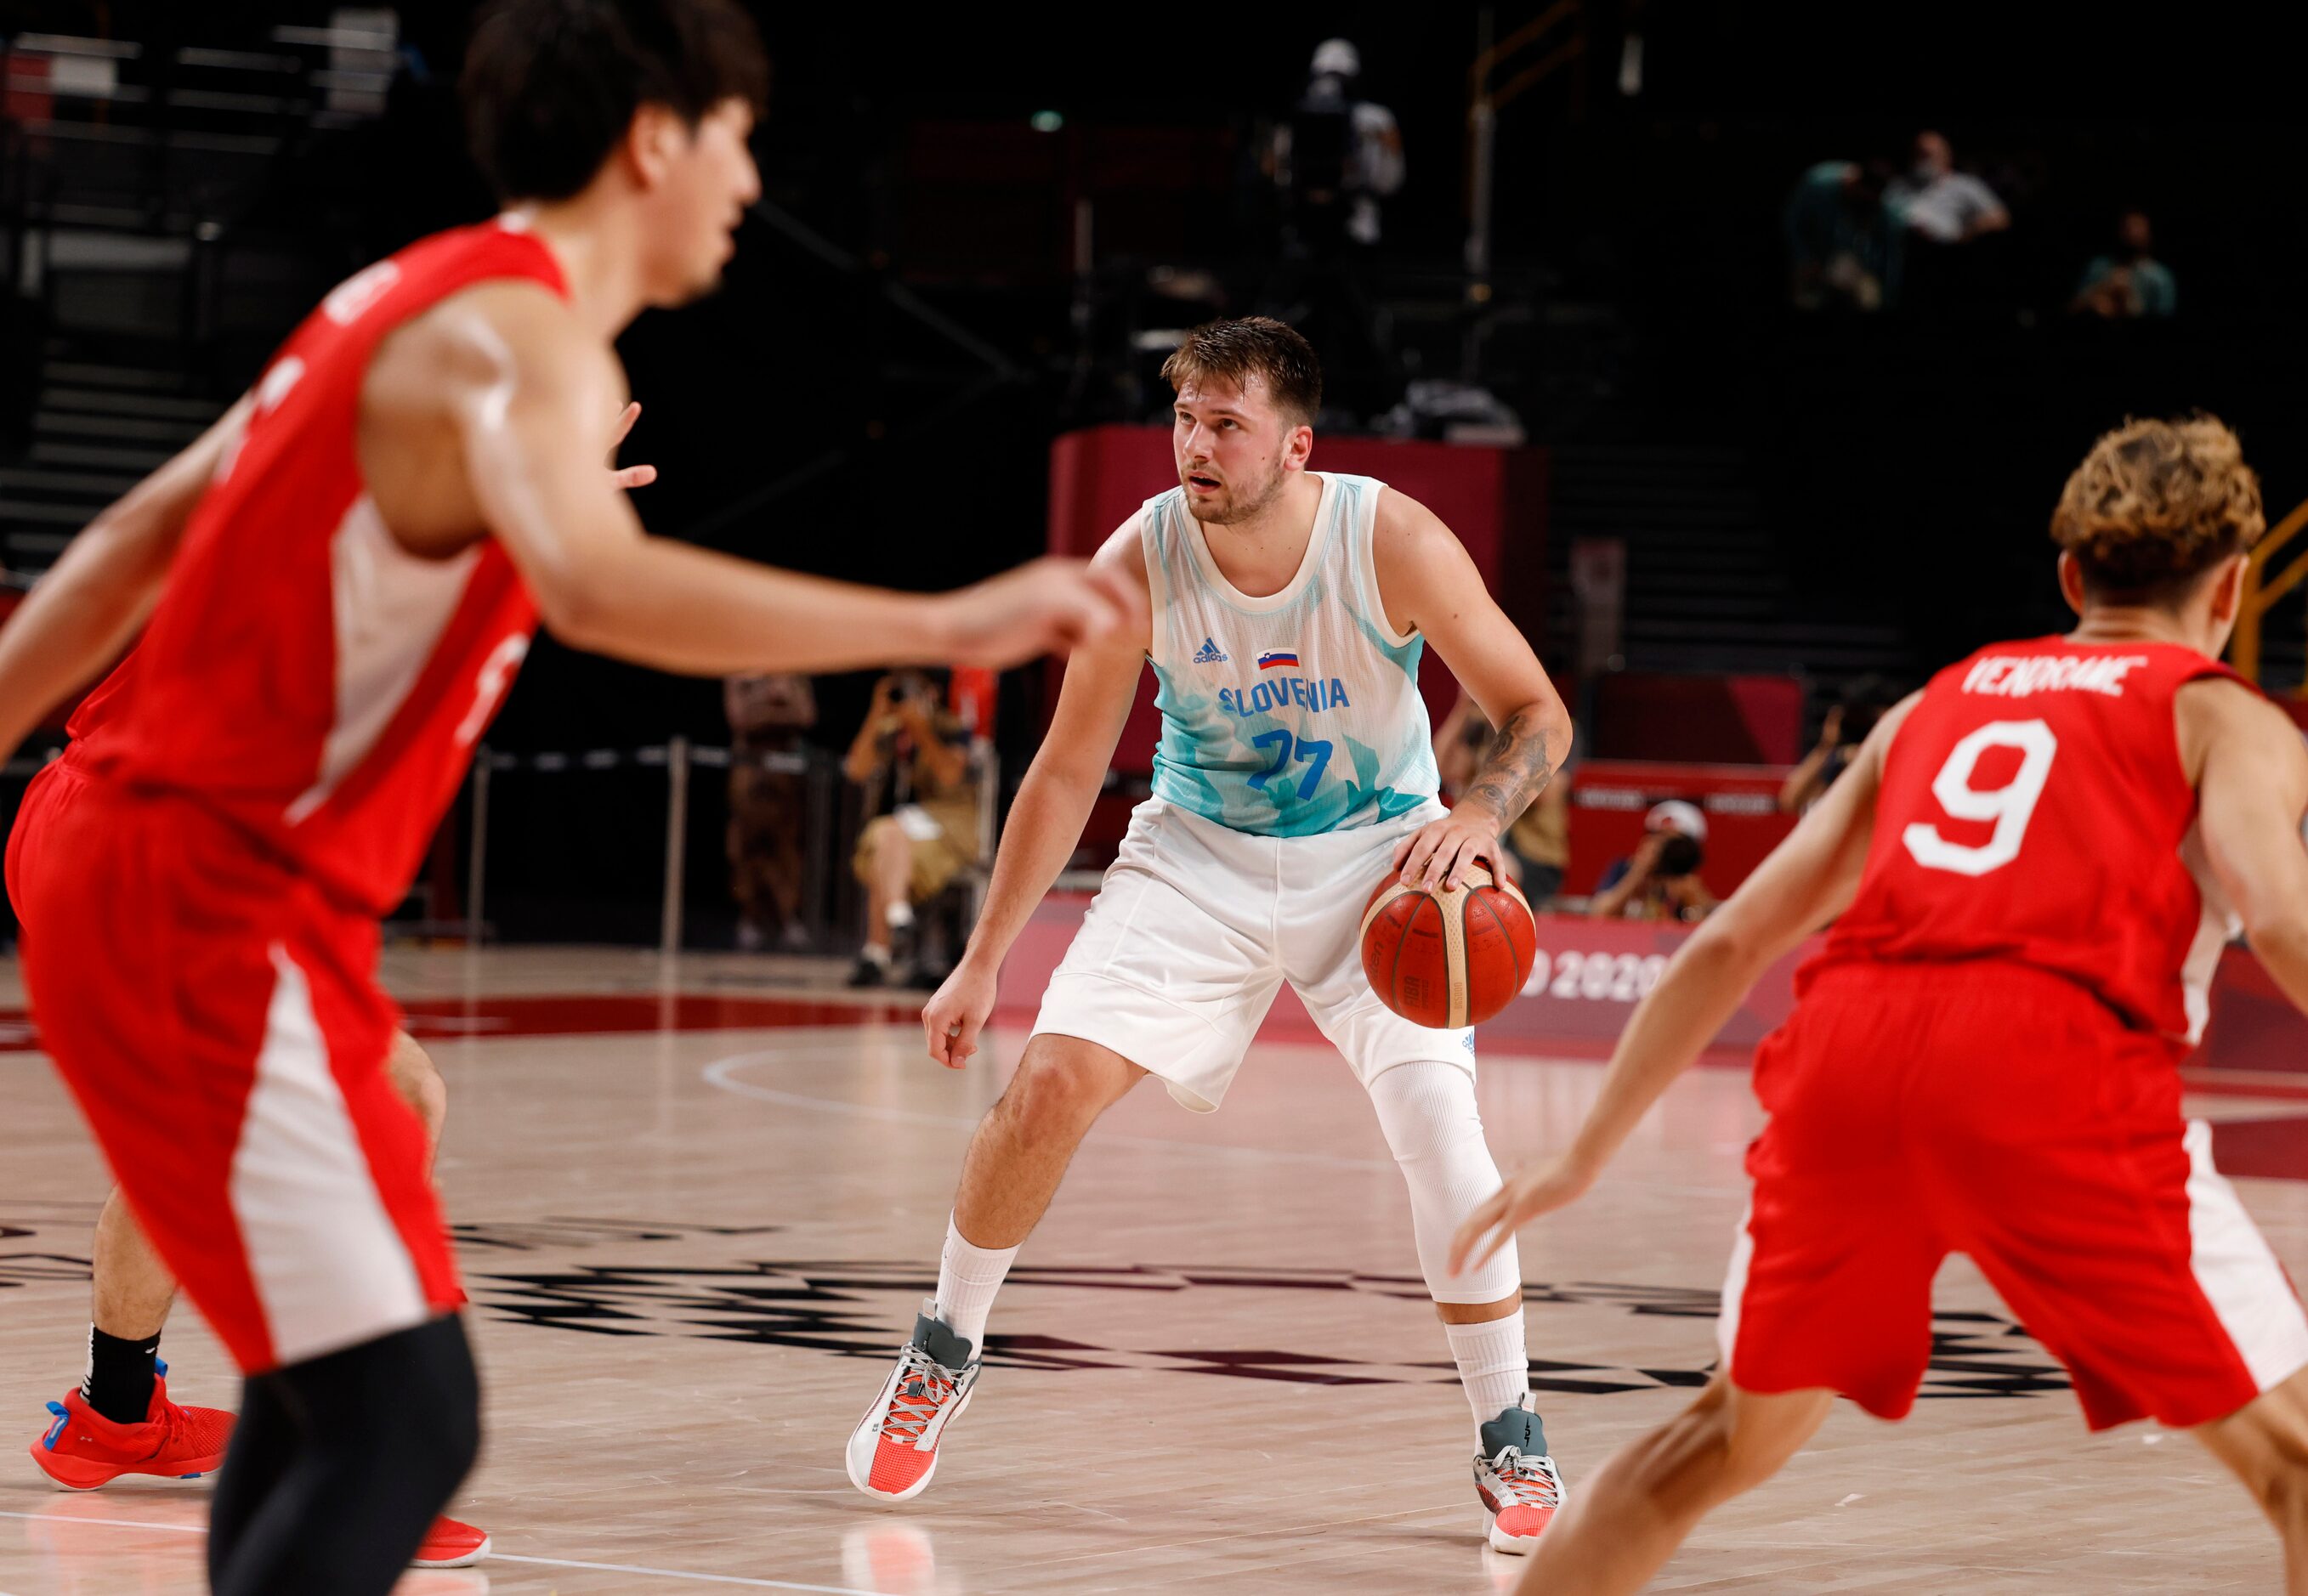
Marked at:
<point>1196,926</point>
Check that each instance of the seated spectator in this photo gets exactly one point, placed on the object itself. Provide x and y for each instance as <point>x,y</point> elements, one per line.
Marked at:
<point>930,834</point>
<point>1538,843</point>
<point>1841,247</point>
<point>1660,881</point>
<point>2129,283</point>
<point>1674,815</point>
<point>1848,721</point>
<point>1941,204</point>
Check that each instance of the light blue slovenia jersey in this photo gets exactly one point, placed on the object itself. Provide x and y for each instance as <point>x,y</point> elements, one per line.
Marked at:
<point>1294,714</point>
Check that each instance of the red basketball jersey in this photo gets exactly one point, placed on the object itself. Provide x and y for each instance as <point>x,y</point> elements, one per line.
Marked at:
<point>305,676</point>
<point>2033,810</point>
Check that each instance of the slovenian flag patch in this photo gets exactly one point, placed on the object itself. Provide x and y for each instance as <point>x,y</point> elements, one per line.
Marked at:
<point>1278,659</point>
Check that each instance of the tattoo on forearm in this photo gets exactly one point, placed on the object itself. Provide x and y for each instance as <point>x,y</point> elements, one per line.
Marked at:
<point>1515,767</point>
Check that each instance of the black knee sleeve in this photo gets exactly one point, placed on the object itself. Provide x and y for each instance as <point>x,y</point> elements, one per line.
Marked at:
<point>352,1455</point>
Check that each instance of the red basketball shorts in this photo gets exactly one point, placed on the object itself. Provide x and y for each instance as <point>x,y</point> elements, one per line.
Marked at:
<point>220,1027</point>
<point>2005,1113</point>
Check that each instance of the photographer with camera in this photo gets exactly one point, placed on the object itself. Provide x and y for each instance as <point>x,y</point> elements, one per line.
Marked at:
<point>929,833</point>
<point>1660,880</point>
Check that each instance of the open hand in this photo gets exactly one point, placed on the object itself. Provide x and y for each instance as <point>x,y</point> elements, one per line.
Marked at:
<point>1541,1190</point>
<point>1439,852</point>
<point>1044,606</point>
<point>628,476</point>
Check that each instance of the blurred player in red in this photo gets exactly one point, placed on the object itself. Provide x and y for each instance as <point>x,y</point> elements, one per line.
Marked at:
<point>120,1419</point>
<point>2031,868</point>
<point>341,578</point>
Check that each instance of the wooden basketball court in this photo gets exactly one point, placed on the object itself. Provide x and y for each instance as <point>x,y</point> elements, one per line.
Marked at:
<point>697,1211</point>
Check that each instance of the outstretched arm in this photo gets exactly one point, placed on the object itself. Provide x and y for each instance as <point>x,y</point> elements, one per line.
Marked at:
<point>2252,793</point>
<point>1045,821</point>
<point>84,612</point>
<point>1428,584</point>
<point>524,387</point>
<point>1808,880</point>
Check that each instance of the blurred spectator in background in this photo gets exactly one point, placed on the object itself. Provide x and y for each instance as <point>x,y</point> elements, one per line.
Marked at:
<point>1939,203</point>
<point>1539,844</point>
<point>1951,258</point>
<point>1674,817</point>
<point>769,809</point>
<point>1338,157</point>
<point>1848,721</point>
<point>1660,881</point>
<point>2129,282</point>
<point>1333,158</point>
<point>1842,248</point>
<point>929,833</point>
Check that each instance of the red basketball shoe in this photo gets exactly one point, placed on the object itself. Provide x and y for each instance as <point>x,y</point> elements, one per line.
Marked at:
<point>1516,1479</point>
<point>894,1450</point>
<point>449,1544</point>
<point>82,1448</point>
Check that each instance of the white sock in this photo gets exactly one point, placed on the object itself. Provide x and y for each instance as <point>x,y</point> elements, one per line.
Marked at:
<point>875,954</point>
<point>1492,1364</point>
<point>968,1278</point>
<point>899,914</point>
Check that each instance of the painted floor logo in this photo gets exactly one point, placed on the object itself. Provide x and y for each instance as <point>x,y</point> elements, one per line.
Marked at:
<point>848,1308</point>
<point>859,1308</point>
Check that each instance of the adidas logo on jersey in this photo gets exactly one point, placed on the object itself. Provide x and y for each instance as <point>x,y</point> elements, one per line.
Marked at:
<point>1209,652</point>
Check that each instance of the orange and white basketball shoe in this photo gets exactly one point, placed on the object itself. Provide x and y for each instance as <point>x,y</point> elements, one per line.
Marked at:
<point>83,1449</point>
<point>1516,1479</point>
<point>449,1544</point>
<point>894,1450</point>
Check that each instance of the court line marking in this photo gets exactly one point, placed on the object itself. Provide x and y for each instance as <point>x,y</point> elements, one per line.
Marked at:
<point>1329,1523</point>
<point>722,1074</point>
<point>703,1579</point>
<point>111,1523</point>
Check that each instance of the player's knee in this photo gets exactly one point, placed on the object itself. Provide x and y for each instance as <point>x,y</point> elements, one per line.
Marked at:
<point>2279,1479</point>
<point>418,1083</point>
<point>443,1414</point>
<point>1426,1111</point>
<point>1051,1098</point>
<point>2282,1490</point>
<point>1698,1458</point>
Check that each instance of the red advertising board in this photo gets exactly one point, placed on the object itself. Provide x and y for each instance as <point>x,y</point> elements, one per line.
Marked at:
<point>1610,797</point>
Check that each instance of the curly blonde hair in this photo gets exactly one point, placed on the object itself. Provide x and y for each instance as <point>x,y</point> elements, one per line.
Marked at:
<point>2155,505</point>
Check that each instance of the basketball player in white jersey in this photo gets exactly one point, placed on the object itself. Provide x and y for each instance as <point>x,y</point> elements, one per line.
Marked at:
<point>1290,609</point>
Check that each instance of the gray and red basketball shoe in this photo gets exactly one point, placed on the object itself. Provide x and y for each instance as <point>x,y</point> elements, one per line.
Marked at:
<point>1516,1479</point>
<point>894,1450</point>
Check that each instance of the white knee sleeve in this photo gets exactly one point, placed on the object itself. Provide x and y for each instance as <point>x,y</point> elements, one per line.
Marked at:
<point>1427,1112</point>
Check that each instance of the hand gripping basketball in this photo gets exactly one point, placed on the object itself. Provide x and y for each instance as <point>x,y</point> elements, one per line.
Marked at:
<point>1452,956</point>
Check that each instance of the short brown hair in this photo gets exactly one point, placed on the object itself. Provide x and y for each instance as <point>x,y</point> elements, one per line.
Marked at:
<point>1241,348</point>
<point>2155,505</point>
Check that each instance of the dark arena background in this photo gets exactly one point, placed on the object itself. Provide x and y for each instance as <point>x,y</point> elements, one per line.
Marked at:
<point>1639,295</point>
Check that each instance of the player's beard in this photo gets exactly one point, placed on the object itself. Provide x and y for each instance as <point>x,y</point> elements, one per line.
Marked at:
<point>1240,508</point>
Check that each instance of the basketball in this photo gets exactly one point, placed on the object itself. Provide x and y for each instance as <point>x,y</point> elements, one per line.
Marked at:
<point>1452,958</point>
